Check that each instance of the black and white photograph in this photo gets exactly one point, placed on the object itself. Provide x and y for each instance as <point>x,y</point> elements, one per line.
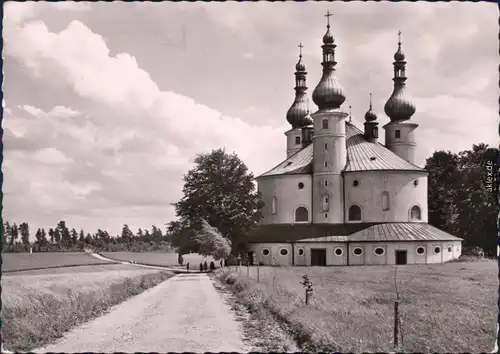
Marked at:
<point>250,177</point>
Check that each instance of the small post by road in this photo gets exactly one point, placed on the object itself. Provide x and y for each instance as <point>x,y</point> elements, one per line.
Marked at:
<point>258,272</point>
<point>248,269</point>
<point>396,325</point>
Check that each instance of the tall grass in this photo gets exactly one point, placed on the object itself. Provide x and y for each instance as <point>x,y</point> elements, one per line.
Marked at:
<point>40,308</point>
<point>444,308</point>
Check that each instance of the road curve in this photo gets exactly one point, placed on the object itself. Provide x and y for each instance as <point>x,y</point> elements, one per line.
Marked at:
<point>183,314</point>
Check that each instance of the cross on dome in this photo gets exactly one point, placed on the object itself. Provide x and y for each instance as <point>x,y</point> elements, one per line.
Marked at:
<point>328,15</point>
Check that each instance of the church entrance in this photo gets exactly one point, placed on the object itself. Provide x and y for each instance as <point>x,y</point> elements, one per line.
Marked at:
<point>318,256</point>
<point>401,256</point>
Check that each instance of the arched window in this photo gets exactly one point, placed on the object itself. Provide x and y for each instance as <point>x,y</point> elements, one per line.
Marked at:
<point>326,203</point>
<point>275,205</point>
<point>354,213</point>
<point>324,124</point>
<point>297,140</point>
<point>415,213</point>
<point>301,214</point>
<point>385,200</point>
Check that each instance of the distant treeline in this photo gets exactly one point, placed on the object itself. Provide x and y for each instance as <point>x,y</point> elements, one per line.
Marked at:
<point>16,238</point>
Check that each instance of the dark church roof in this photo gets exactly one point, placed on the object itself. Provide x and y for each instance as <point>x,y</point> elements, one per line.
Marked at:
<point>357,232</point>
<point>362,155</point>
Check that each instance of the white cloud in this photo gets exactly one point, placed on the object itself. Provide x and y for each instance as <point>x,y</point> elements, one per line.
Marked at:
<point>51,156</point>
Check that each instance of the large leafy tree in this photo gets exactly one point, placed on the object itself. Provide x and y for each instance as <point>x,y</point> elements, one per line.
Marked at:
<point>460,198</point>
<point>220,190</point>
<point>24,230</point>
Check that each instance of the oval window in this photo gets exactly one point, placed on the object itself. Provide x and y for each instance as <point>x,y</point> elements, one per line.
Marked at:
<point>449,249</point>
<point>437,250</point>
<point>283,251</point>
<point>301,251</point>
<point>338,251</point>
<point>355,183</point>
<point>358,251</point>
<point>379,251</point>
<point>265,252</point>
<point>420,250</point>
<point>301,185</point>
<point>415,182</point>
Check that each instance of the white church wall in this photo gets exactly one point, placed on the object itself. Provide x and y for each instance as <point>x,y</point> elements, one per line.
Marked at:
<point>403,194</point>
<point>274,257</point>
<point>288,197</point>
<point>331,258</point>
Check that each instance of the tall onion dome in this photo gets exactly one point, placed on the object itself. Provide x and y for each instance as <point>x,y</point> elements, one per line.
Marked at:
<point>370,116</point>
<point>329,94</point>
<point>298,114</point>
<point>399,107</point>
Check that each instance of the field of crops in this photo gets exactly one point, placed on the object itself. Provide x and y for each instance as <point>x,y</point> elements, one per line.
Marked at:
<point>23,261</point>
<point>40,305</point>
<point>159,258</point>
<point>444,308</point>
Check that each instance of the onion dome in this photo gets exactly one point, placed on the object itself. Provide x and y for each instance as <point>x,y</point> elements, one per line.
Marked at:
<point>370,116</point>
<point>399,107</point>
<point>329,93</point>
<point>298,114</point>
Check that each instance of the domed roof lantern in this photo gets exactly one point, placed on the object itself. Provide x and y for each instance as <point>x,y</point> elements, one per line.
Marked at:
<point>399,107</point>
<point>298,114</point>
<point>370,116</point>
<point>329,93</point>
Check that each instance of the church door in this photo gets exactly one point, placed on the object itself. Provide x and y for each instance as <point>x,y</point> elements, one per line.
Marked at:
<point>318,256</point>
<point>401,257</point>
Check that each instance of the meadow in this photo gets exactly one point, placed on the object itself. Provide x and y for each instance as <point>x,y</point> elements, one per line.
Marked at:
<point>40,305</point>
<point>165,259</point>
<point>444,308</point>
<point>12,262</point>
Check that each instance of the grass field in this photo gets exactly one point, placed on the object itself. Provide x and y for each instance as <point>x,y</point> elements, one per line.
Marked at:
<point>166,259</point>
<point>444,308</point>
<point>40,305</point>
<point>23,261</point>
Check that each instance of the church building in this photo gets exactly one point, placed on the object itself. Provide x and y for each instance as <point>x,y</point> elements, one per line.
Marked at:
<point>341,197</point>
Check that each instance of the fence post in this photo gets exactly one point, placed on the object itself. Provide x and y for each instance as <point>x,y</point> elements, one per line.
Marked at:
<point>258,272</point>
<point>248,270</point>
<point>396,325</point>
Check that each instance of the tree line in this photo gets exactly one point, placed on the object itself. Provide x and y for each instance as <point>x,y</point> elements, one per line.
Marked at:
<point>16,238</point>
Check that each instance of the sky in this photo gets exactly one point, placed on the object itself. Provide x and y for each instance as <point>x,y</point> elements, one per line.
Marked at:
<point>107,104</point>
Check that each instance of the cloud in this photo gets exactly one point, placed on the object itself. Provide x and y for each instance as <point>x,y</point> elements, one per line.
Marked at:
<point>136,146</point>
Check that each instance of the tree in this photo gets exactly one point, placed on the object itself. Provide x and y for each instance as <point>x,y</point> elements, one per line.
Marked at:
<point>220,190</point>
<point>74,237</point>
<point>24,230</point>
<point>88,239</point>
<point>6,235</point>
<point>14,234</point>
<point>39,237</point>
<point>52,236</point>
<point>57,237</point>
<point>81,238</point>
<point>44,237</point>
<point>127,234</point>
<point>140,235</point>
<point>65,234</point>
<point>460,201</point>
<point>212,243</point>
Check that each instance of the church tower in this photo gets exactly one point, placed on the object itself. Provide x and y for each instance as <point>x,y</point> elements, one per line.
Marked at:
<point>329,140</point>
<point>371,124</point>
<point>298,114</point>
<point>399,132</point>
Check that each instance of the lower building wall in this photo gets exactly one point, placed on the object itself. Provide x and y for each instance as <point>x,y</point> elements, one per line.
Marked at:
<point>281,253</point>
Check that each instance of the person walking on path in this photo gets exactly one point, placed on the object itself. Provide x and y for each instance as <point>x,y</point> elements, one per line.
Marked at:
<point>201,267</point>
<point>205,266</point>
<point>187,266</point>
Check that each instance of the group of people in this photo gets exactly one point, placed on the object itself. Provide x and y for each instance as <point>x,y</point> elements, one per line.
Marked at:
<point>204,266</point>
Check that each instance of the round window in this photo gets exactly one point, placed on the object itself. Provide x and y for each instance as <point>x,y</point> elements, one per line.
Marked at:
<point>355,183</point>
<point>420,250</point>
<point>437,249</point>
<point>301,185</point>
<point>283,251</point>
<point>338,251</point>
<point>358,251</point>
<point>415,182</point>
<point>379,251</point>
<point>301,251</point>
<point>265,252</point>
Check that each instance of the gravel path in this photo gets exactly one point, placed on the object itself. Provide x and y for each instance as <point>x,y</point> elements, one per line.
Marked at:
<point>182,314</point>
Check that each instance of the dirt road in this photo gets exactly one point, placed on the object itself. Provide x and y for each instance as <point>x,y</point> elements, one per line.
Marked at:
<point>183,314</point>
